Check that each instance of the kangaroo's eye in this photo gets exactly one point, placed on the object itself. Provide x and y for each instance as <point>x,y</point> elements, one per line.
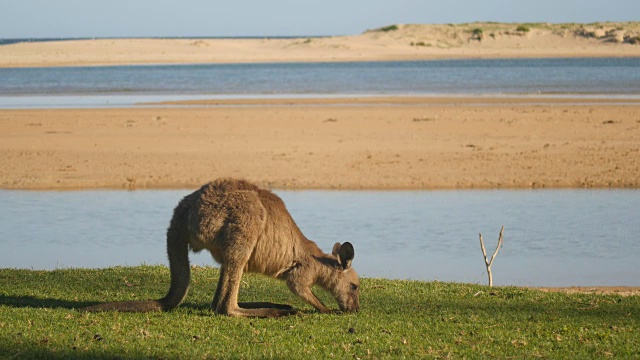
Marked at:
<point>354,287</point>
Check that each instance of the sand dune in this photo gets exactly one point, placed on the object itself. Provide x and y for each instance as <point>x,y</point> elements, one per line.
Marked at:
<point>396,42</point>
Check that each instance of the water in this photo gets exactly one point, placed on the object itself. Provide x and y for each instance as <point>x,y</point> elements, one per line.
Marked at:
<point>124,85</point>
<point>552,237</point>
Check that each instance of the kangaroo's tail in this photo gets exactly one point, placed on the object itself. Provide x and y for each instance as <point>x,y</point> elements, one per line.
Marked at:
<point>178,251</point>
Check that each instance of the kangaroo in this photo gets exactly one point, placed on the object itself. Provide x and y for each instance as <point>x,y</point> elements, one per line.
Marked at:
<point>247,228</point>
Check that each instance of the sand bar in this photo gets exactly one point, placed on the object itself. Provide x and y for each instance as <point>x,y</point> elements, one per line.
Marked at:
<point>427,144</point>
<point>399,42</point>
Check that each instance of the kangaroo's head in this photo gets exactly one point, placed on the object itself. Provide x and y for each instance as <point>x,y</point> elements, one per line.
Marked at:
<point>344,283</point>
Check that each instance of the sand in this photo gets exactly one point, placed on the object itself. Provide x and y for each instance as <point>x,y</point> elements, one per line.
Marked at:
<point>381,143</point>
<point>402,42</point>
<point>597,290</point>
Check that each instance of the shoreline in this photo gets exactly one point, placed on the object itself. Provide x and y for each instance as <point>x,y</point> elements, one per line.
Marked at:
<point>66,102</point>
<point>354,59</point>
<point>407,100</point>
<point>596,290</point>
<point>348,143</point>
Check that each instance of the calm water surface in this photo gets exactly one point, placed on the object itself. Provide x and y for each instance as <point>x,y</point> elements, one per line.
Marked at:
<point>552,237</point>
<point>126,85</point>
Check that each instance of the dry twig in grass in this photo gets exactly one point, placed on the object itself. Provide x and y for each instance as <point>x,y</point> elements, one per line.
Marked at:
<point>487,261</point>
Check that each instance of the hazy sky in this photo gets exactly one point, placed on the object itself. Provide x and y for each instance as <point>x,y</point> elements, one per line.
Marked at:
<point>118,18</point>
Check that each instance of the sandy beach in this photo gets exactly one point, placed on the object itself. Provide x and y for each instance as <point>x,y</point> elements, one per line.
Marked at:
<point>395,42</point>
<point>380,143</point>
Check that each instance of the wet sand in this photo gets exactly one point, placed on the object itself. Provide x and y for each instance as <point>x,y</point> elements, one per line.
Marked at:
<point>379,143</point>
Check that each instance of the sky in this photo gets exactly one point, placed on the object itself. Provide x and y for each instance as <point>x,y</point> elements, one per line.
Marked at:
<point>211,18</point>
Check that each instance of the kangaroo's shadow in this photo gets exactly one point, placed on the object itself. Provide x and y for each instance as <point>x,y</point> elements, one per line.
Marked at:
<point>42,303</point>
<point>47,303</point>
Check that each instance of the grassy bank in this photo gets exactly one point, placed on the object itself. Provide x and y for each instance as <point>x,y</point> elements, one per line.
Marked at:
<point>397,319</point>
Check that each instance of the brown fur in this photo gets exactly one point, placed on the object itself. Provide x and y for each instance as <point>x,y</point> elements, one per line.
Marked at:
<point>247,228</point>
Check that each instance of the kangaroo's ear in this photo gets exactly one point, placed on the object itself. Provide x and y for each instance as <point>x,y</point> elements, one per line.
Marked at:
<point>336,249</point>
<point>345,254</point>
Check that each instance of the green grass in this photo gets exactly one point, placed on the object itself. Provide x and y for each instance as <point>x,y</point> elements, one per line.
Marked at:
<point>387,28</point>
<point>410,319</point>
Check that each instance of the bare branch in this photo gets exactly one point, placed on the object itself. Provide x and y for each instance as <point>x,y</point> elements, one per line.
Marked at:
<point>487,262</point>
<point>500,243</point>
<point>484,252</point>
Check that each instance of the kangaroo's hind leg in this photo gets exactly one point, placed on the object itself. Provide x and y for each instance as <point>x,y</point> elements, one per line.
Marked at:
<point>236,243</point>
<point>216,297</point>
<point>226,298</point>
<point>245,305</point>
